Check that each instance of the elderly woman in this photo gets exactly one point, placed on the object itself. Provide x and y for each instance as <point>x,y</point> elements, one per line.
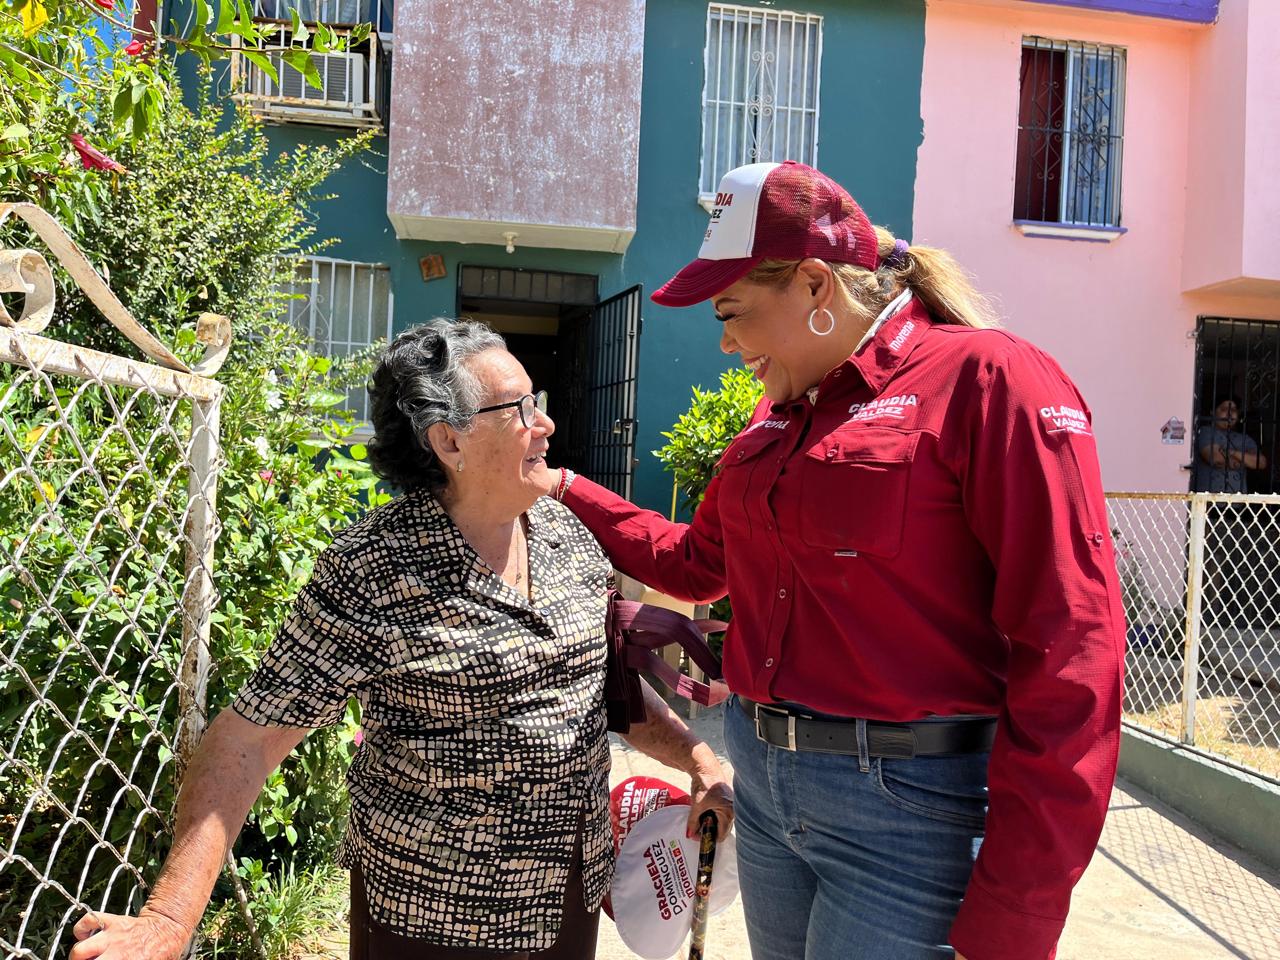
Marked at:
<point>467,616</point>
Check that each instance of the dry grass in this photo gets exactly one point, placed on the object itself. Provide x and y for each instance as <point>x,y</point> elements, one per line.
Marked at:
<point>298,917</point>
<point>1225,725</point>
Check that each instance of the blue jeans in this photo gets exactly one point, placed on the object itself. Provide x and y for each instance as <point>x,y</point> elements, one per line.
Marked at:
<point>840,863</point>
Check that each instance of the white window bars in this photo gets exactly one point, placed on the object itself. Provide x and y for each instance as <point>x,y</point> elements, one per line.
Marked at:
<point>343,307</point>
<point>760,94</point>
<point>342,81</point>
<point>334,12</point>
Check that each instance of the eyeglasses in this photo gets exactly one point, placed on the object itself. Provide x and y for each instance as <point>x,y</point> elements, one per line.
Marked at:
<point>529,405</point>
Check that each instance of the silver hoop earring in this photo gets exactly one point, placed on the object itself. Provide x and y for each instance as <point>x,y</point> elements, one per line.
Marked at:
<point>831,318</point>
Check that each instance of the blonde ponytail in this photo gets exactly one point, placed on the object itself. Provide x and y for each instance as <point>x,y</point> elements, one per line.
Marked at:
<point>933,276</point>
<point>940,283</point>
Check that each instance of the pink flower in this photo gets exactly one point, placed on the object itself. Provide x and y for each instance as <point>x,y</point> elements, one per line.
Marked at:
<point>93,158</point>
<point>359,737</point>
<point>266,475</point>
<point>106,4</point>
<point>135,48</point>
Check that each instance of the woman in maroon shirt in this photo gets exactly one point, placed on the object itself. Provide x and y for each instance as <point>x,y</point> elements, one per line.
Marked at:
<point>927,642</point>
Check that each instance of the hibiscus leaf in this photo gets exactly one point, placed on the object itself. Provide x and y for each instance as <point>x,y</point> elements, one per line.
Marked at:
<point>265,63</point>
<point>226,16</point>
<point>122,105</point>
<point>300,31</point>
<point>301,61</point>
<point>203,14</point>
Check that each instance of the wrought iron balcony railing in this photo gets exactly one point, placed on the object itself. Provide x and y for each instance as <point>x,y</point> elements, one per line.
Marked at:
<point>335,12</point>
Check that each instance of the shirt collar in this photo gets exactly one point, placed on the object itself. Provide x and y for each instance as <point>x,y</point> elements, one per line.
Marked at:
<point>446,545</point>
<point>894,307</point>
<point>891,339</point>
<point>432,532</point>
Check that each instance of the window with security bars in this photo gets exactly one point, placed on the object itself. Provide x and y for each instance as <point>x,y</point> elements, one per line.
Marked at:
<point>760,99</point>
<point>344,308</point>
<point>1070,133</point>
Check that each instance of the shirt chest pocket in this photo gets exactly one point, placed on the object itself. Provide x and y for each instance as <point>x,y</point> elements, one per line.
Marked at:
<point>854,484</point>
<point>756,449</point>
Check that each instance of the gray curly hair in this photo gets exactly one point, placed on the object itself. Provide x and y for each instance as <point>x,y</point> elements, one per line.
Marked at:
<point>422,379</point>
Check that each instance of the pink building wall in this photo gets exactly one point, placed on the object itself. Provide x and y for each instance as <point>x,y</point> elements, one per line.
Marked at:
<point>1262,142</point>
<point>1114,314</point>
<point>1215,210</point>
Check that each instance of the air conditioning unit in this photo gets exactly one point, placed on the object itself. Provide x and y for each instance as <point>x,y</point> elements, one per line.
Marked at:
<point>352,91</point>
<point>342,84</point>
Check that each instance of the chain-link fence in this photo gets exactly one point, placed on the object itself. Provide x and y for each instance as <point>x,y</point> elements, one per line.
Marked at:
<point>107,528</point>
<point>1200,575</point>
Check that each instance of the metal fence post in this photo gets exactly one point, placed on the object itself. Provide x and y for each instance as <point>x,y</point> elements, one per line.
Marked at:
<point>1195,601</point>
<point>198,590</point>
<point>201,533</point>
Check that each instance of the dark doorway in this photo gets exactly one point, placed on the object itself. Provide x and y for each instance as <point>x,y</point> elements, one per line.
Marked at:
<point>1240,360</point>
<point>583,352</point>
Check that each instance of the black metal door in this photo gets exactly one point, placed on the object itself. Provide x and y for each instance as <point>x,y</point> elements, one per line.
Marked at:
<point>613,339</point>
<point>1240,360</point>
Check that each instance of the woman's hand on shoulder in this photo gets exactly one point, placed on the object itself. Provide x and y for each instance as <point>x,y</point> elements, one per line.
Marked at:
<point>709,789</point>
<point>548,480</point>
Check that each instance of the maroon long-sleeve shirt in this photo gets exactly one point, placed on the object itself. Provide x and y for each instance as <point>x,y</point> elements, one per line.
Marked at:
<point>925,536</point>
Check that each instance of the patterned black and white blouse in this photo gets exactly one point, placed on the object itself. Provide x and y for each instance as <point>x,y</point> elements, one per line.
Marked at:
<point>483,718</point>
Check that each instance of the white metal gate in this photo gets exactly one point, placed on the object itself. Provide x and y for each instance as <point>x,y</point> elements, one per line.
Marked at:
<point>1200,574</point>
<point>108,472</point>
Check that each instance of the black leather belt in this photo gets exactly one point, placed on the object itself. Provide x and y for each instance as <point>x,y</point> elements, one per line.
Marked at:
<point>781,727</point>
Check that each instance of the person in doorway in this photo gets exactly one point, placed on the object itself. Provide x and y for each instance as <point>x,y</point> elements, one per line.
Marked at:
<point>927,638</point>
<point>1223,453</point>
<point>468,617</point>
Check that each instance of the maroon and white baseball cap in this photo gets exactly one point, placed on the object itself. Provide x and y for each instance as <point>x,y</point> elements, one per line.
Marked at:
<point>783,211</point>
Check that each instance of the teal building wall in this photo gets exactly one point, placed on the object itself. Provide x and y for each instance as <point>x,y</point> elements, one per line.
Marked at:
<point>869,132</point>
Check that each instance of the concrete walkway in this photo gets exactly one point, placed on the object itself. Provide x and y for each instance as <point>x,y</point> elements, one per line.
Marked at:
<point>1159,888</point>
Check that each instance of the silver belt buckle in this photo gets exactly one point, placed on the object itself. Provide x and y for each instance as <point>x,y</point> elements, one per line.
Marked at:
<point>761,709</point>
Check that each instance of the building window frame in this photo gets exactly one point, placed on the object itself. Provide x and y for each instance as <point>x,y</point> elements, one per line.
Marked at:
<point>1069,167</point>
<point>745,99</point>
<point>309,310</point>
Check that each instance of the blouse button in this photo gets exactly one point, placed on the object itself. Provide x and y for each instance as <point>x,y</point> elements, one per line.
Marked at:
<point>740,454</point>
<point>769,662</point>
<point>782,593</point>
<point>831,454</point>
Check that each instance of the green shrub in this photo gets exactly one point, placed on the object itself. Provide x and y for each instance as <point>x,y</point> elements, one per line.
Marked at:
<point>700,436</point>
